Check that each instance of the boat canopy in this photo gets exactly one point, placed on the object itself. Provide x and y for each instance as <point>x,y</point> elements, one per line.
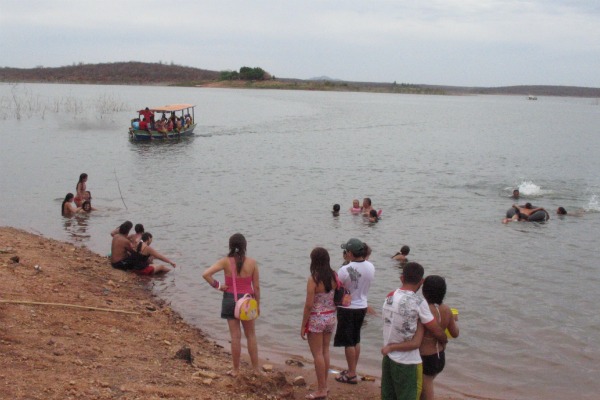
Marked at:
<point>171,108</point>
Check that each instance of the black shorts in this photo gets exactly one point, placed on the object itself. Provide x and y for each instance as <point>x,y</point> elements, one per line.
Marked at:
<point>350,321</point>
<point>433,364</point>
<point>228,306</point>
<point>125,264</point>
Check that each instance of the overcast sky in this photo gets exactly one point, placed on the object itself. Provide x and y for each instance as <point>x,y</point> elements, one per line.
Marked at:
<point>447,42</point>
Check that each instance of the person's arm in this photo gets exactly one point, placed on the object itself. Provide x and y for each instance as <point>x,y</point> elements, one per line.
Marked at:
<point>256,285</point>
<point>156,254</point>
<point>411,344</point>
<point>114,231</point>
<point>453,326</point>
<point>311,287</point>
<point>213,269</point>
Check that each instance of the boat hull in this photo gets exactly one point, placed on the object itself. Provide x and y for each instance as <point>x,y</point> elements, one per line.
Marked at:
<point>140,135</point>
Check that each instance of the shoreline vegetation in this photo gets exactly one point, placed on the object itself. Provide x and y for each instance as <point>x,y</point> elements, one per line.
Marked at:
<point>160,74</point>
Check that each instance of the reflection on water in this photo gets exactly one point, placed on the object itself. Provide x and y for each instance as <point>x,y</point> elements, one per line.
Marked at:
<point>76,227</point>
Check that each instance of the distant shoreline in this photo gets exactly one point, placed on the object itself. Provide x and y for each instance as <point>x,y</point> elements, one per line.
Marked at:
<point>156,74</point>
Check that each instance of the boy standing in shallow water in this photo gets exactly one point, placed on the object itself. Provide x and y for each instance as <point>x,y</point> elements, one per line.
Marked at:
<point>403,309</point>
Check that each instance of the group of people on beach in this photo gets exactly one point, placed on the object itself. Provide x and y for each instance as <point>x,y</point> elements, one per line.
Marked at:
<point>413,328</point>
<point>80,202</point>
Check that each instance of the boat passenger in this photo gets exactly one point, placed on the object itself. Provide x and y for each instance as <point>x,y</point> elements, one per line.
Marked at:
<point>169,126</point>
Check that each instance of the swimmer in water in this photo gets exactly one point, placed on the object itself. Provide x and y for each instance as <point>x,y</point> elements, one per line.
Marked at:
<point>367,207</point>
<point>401,255</point>
<point>515,194</point>
<point>562,212</point>
<point>336,210</point>
<point>373,217</point>
<point>355,209</point>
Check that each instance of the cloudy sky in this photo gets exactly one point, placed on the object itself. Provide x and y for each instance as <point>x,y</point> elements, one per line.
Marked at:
<point>447,42</point>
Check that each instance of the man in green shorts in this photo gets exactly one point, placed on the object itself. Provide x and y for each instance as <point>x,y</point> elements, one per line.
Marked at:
<point>401,368</point>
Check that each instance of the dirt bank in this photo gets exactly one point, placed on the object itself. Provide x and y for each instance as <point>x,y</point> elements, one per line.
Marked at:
<point>120,342</point>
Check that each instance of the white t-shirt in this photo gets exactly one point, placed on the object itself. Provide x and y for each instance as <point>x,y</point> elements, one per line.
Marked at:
<point>357,277</point>
<point>401,311</point>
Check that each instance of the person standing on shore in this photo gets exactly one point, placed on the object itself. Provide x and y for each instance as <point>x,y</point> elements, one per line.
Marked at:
<point>403,309</point>
<point>247,282</point>
<point>356,276</point>
<point>432,351</point>
<point>318,320</point>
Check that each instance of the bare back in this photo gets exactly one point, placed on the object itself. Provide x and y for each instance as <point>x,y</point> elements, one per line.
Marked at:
<point>119,248</point>
<point>428,345</point>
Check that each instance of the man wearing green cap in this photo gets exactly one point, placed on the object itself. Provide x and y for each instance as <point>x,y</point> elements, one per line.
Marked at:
<point>356,276</point>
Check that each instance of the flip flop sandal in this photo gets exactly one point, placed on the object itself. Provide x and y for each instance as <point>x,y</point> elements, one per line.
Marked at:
<point>347,379</point>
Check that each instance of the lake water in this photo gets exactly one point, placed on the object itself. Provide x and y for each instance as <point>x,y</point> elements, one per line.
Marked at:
<point>271,164</point>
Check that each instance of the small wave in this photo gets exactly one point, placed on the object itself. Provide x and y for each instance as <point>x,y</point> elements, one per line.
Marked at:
<point>593,204</point>
<point>528,188</point>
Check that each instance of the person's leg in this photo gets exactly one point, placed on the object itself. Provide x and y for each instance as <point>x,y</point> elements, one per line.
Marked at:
<point>236,344</point>
<point>356,356</point>
<point>161,269</point>
<point>387,387</point>
<point>251,343</point>
<point>315,342</point>
<point>326,343</point>
<point>350,352</point>
<point>427,393</point>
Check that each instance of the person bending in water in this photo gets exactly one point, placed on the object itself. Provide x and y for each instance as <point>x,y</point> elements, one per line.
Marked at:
<point>144,254</point>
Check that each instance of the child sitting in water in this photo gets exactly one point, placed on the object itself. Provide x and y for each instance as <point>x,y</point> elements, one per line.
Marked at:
<point>336,210</point>
<point>401,256</point>
<point>355,209</point>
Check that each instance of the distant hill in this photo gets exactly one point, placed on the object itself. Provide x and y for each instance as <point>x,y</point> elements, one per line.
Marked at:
<point>139,73</point>
<point>132,72</point>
